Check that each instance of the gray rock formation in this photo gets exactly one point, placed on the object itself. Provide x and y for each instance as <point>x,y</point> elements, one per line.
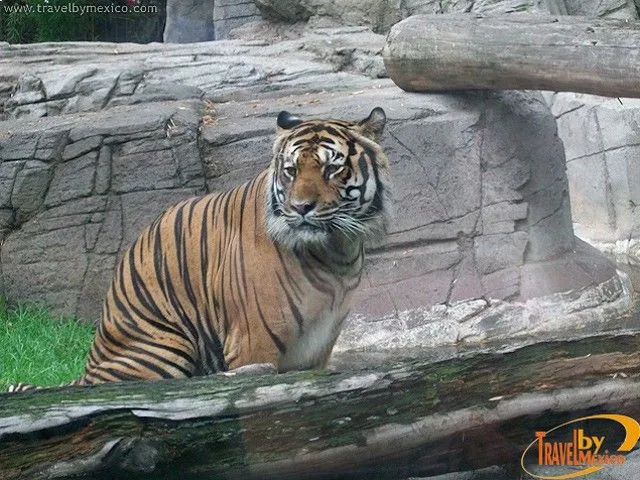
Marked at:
<point>96,143</point>
<point>192,21</point>
<point>380,15</point>
<point>205,20</point>
<point>231,14</point>
<point>107,75</point>
<point>603,165</point>
<point>599,8</point>
<point>603,161</point>
<point>188,22</point>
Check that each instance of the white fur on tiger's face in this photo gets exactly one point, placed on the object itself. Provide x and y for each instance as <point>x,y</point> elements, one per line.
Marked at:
<point>328,176</point>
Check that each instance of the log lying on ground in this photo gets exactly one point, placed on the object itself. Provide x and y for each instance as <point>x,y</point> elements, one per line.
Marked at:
<point>410,418</point>
<point>454,52</point>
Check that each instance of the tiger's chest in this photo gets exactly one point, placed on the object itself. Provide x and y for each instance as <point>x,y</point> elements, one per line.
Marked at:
<point>325,301</point>
<point>312,346</point>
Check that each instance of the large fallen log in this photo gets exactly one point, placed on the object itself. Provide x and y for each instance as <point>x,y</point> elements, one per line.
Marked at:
<point>410,418</point>
<point>563,53</point>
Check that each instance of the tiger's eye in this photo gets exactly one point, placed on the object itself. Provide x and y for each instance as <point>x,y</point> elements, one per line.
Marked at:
<point>330,170</point>
<point>290,171</point>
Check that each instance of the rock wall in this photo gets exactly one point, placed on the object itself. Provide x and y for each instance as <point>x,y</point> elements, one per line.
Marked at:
<point>380,15</point>
<point>600,8</point>
<point>96,143</point>
<point>81,189</point>
<point>603,160</point>
<point>603,165</point>
<point>231,14</point>
<point>196,20</point>
<point>190,21</point>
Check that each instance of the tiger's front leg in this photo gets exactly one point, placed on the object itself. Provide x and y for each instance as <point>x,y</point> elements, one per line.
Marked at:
<point>260,350</point>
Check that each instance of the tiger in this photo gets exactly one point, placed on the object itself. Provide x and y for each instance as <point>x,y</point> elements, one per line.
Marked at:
<point>263,274</point>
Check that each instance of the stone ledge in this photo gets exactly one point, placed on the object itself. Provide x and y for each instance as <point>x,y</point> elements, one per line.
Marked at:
<point>602,308</point>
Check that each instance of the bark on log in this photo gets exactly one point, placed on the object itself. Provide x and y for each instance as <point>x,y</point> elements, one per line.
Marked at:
<point>454,52</point>
<point>410,418</point>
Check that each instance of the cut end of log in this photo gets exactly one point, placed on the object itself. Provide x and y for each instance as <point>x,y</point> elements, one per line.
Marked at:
<point>435,53</point>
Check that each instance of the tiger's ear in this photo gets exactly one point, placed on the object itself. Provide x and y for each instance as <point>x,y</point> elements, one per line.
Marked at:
<point>286,121</point>
<point>373,126</point>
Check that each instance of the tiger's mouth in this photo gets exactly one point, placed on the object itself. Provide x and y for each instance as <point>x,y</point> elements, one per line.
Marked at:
<point>304,225</point>
<point>310,227</point>
<point>295,230</point>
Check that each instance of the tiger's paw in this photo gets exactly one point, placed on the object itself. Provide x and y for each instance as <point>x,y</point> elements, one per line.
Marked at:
<point>252,369</point>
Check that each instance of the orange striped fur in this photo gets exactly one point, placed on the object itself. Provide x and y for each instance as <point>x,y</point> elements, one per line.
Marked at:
<point>264,273</point>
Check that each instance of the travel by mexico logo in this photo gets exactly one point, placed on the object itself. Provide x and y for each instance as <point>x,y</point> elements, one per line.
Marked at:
<point>581,447</point>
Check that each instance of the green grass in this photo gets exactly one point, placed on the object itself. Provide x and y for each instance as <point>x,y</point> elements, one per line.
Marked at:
<point>38,348</point>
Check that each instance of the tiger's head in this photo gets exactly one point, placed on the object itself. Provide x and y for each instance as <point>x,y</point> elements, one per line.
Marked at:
<point>328,177</point>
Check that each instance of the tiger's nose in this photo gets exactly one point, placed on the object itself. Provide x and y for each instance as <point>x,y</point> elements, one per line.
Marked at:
<point>303,207</point>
